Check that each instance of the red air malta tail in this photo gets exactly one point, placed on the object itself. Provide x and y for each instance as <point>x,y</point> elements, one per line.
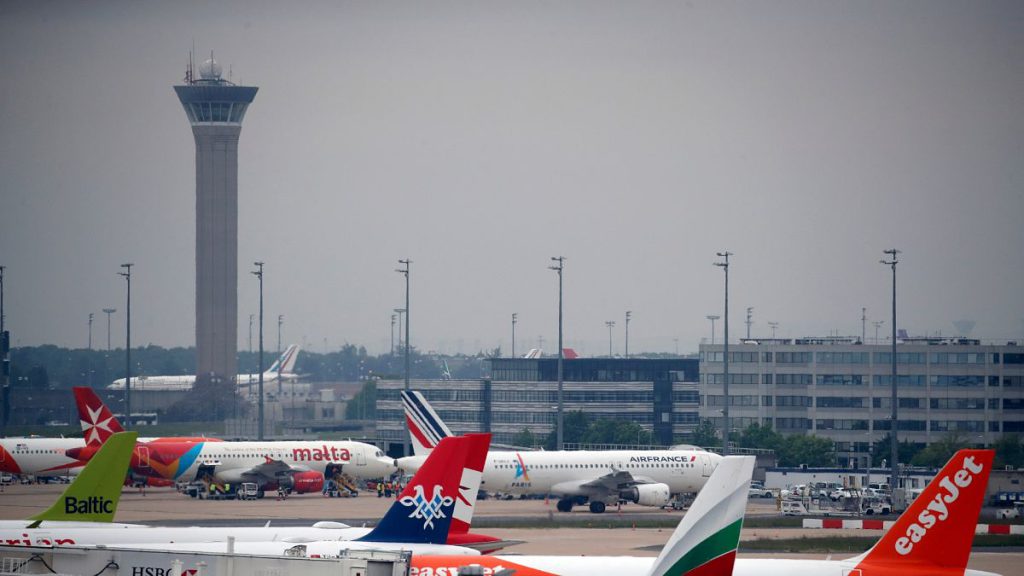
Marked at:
<point>98,423</point>
<point>934,535</point>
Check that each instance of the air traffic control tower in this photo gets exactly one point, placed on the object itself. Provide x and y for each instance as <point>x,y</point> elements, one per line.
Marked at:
<point>215,108</point>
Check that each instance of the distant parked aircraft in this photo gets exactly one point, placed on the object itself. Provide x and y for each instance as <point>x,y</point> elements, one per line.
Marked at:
<point>282,369</point>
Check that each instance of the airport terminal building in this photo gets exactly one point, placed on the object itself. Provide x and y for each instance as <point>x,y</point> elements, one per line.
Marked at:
<point>840,389</point>
<point>659,394</point>
<point>837,388</point>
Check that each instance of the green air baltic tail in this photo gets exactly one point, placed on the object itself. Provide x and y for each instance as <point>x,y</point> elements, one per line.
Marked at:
<point>93,495</point>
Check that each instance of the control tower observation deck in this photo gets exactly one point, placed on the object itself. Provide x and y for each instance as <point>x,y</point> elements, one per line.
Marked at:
<point>215,108</point>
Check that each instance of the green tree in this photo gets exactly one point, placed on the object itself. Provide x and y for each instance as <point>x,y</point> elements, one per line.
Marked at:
<point>574,427</point>
<point>800,449</point>
<point>882,451</point>
<point>608,431</point>
<point>758,436</point>
<point>936,454</point>
<point>525,438</point>
<point>705,434</point>
<point>363,406</point>
<point>1009,451</point>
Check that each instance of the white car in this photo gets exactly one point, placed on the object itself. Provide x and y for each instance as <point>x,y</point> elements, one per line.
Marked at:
<point>760,492</point>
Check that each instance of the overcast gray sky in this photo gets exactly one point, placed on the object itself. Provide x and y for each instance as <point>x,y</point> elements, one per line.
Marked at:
<point>481,138</point>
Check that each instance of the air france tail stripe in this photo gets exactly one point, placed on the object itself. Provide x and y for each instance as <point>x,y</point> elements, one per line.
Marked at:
<point>424,419</point>
<point>418,434</point>
<point>419,426</point>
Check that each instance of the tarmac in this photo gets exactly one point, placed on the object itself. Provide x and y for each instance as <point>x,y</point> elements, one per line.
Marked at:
<point>583,533</point>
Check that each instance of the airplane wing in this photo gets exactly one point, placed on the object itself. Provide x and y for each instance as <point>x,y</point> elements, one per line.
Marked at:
<point>272,469</point>
<point>614,482</point>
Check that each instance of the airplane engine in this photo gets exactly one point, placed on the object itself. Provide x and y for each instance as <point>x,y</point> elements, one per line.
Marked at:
<point>311,481</point>
<point>647,494</point>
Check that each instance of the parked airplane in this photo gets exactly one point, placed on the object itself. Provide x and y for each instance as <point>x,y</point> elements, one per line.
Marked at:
<point>418,521</point>
<point>39,456</point>
<point>931,538</point>
<point>66,456</point>
<point>282,369</point>
<point>703,544</point>
<point>90,500</point>
<point>268,464</point>
<point>99,423</point>
<point>646,477</point>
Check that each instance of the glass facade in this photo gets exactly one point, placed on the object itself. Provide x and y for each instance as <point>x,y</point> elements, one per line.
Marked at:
<point>841,389</point>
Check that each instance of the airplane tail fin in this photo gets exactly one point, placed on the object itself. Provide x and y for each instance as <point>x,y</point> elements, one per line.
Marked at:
<point>469,485</point>
<point>937,529</point>
<point>425,426</point>
<point>93,495</point>
<point>705,542</point>
<point>423,511</point>
<point>285,363</point>
<point>98,423</point>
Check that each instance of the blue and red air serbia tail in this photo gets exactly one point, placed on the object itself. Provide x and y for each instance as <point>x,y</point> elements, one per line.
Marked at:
<point>425,426</point>
<point>423,511</point>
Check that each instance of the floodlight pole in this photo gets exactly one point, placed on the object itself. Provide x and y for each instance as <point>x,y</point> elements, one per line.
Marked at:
<point>108,312</point>
<point>515,318</point>
<point>560,433</point>
<point>259,275</point>
<point>127,274</point>
<point>610,324</point>
<point>713,317</point>
<point>725,356</point>
<point>407,449</point>
<point>629,314</point>
<point>894,473</point>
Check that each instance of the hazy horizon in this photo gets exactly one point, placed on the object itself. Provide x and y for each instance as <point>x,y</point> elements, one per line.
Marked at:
<point>480,139</point>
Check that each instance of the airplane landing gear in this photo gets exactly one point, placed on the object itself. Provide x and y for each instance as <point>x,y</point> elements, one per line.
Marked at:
<point>565,505</point>
<point>597,507</point>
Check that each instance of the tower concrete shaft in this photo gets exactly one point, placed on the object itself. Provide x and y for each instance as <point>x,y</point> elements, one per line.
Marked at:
<point>215,109</point>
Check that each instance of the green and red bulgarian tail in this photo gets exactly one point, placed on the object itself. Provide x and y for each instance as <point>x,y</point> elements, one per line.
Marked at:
<point>93,495</point>
<point>705,542</point>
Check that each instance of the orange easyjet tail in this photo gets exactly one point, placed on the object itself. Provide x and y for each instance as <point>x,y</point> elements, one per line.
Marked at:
<point>935,533</point>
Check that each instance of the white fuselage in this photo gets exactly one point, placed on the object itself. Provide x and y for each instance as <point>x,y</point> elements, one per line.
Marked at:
<point>88,534</point>
<point>239,461</point>
<point>186,382</point>
<point>39,456</point>
<point>557,471</point>
<point>321,542</point>
<point>313,548</point>
<point>620,565</point>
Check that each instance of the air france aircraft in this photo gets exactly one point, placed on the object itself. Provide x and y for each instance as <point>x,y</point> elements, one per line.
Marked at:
<point>282,369</point>
<point>418,521</point>
<point>931,538</point>
<point>646,477</point>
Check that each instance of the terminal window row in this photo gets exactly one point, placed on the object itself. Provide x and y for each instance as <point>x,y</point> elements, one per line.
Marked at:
<point>878,358</point>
